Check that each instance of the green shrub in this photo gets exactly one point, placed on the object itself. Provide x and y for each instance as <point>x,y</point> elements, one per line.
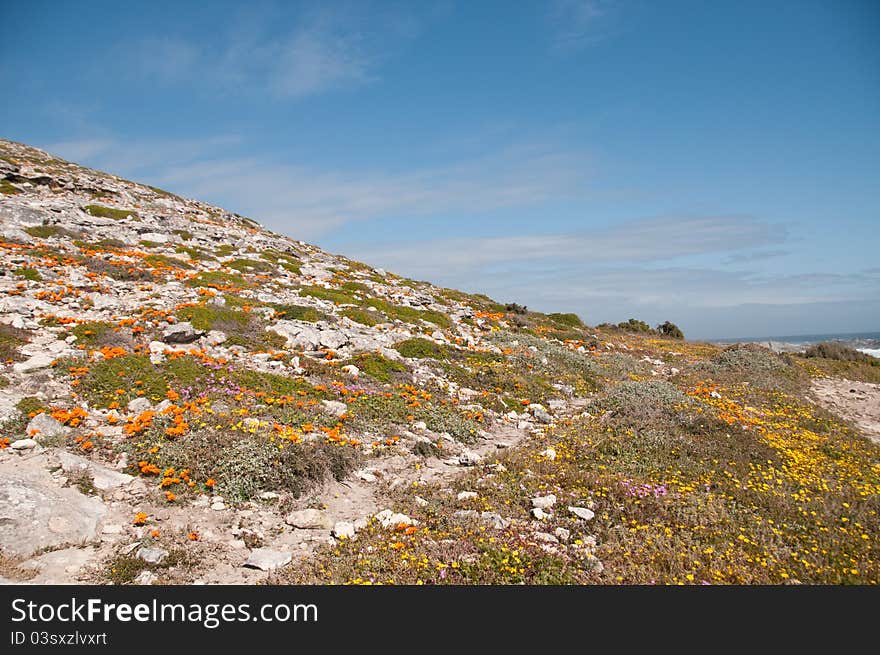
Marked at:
<point>840,352</point>
<point>298,313</point>
<point>110,212</point>
<point>570,320</point>
<point>378,367</point>
<point>635,325</point>
<point>91,333</point>
<point>105,378</point>
<point>338,296</point>
<point>668,329</point>
<point>28,274</point>
<point>249,266</point>
<point>418,348</point>
<point>217,279</point>
<point>11,338</point>
<point>30,405</point>
<point>8,189</point>
<point>47,231</point>
<point>363,317</point>
<point>164,261</point>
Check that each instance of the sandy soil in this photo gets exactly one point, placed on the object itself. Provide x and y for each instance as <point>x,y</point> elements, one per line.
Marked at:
<point>858,402</point>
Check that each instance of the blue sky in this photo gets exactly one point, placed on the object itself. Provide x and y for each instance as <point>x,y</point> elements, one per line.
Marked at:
<point>714,164</point>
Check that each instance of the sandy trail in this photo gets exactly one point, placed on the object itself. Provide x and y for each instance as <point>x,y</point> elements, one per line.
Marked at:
<point>858,402</point>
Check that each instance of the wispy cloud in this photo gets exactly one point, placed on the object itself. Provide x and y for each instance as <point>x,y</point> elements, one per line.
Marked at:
<point>320,51</point>
<point>309,202</point>
<point>576,23</point>
<point>650,240</point>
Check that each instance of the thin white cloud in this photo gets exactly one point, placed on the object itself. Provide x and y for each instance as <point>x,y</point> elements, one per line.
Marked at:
<point>659,239</point>
<point>313,62</point>
<point>575,23</point>
<point>320,51</point>
<point>307,202</point>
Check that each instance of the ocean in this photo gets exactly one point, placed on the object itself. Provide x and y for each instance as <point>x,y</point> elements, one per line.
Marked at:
<point>866,342</point>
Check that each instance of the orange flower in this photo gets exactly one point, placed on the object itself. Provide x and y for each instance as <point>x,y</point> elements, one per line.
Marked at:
<point>140,518</point>
<point>193,536</point>
<point>4,443</point>
<point>210,482</point>
<point>154,534</point>
<point>170,496</point>
<point>397,545</point>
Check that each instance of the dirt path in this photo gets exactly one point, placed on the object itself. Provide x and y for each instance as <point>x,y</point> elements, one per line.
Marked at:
<point>227,536</point>
<point>858,402</point>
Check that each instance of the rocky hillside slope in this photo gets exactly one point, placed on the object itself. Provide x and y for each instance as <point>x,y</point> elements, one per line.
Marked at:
<point>188,397</point>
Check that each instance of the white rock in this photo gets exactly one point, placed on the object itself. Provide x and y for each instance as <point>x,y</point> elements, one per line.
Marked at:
<point>549,453</point>
<point>470,458</point>
<point>582,512</point>
<point>546,537</point>
<point>335,407</point>
<point>215,337</point>
<point>43,426</point>
<point>366,476</point>
<point>23,444</point>
<point>309,519</point>
<point>267,559</point>
<point>467,495</point>
<point>138,405</point>
<point>146,578</point>
<point>389,519</point>
<point>562,534</point>
<point>421,502</point>
<point>540,514</point>
<point>38,361</point>
<point>180,333</point>
<point>343,530</point>
<point>152,555</point>
<point>544,502</point>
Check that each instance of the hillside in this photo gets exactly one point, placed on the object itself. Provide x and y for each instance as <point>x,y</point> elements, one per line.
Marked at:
<point>189,397</point>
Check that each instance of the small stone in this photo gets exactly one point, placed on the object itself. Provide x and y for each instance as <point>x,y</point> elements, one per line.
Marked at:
<point>152,555</point>
<point>218,506</point>
<point>562,534</point>
<point>267,559</point>
<point>494,520</point>
<point>45,426</point>
<point>421,502</point>
<point>549,453</point>
<point>352,370</point>
<point>335,407</point>
<point>112,529</point>
<point>544,502</point>
<point>343,530</point>
<point>467,495</point>
<point>38,361</point>
<point>546,537</point>
<point>582,512</point>
<point>309,519</point>
<point>24,444</point>
<point>542,416</point>
<point>215,337</point>
<point>540,514</point>
<point>180,333</point>
<point>470,458</point>
<point>366,476</point>
<point>139,405</point>
<point>389,519</point>
<point>146,578</point>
